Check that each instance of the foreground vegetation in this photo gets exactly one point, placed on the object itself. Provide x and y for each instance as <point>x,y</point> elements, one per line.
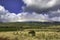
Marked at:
<point>30,25</point>
<point>25,36</point>
<point>21,31</point>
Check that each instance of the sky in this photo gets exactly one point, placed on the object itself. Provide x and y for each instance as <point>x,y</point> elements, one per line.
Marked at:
<point>29,10</point>
<point>12,5</point>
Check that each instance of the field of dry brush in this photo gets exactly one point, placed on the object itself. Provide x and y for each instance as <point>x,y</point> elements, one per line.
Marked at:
<point>24,35</point>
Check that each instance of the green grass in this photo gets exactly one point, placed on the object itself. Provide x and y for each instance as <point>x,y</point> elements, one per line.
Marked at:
<point>49,31</point>
<point>29,25</point>
<point>8,29</point>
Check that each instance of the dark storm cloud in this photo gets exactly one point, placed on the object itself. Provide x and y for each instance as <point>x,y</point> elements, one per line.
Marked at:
<point>35,9</point>
<point>41,10</point>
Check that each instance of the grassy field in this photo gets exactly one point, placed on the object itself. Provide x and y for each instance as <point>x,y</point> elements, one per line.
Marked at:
<point>20,31</point>
<point>29,25</point>
<point>25,36</point>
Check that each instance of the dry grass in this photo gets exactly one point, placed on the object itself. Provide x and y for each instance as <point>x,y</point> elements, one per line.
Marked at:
<point>25,36</point>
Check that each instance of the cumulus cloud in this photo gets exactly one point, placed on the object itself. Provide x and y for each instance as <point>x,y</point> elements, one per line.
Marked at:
<point>34,17</point>
<point>54,15</point>
<point>41,3</point>
<point>40,6</point>
<point>6,16</point>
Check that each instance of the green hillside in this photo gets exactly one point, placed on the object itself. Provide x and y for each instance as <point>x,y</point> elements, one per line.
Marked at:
<point>29,25</point>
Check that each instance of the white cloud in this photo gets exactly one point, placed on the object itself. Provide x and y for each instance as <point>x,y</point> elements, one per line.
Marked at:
<point>57,19</point>
<point>34,17</point>
<point>6,16</point>
<point>42,3</point>
<point>57,11</point>
<point>40,6</point>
